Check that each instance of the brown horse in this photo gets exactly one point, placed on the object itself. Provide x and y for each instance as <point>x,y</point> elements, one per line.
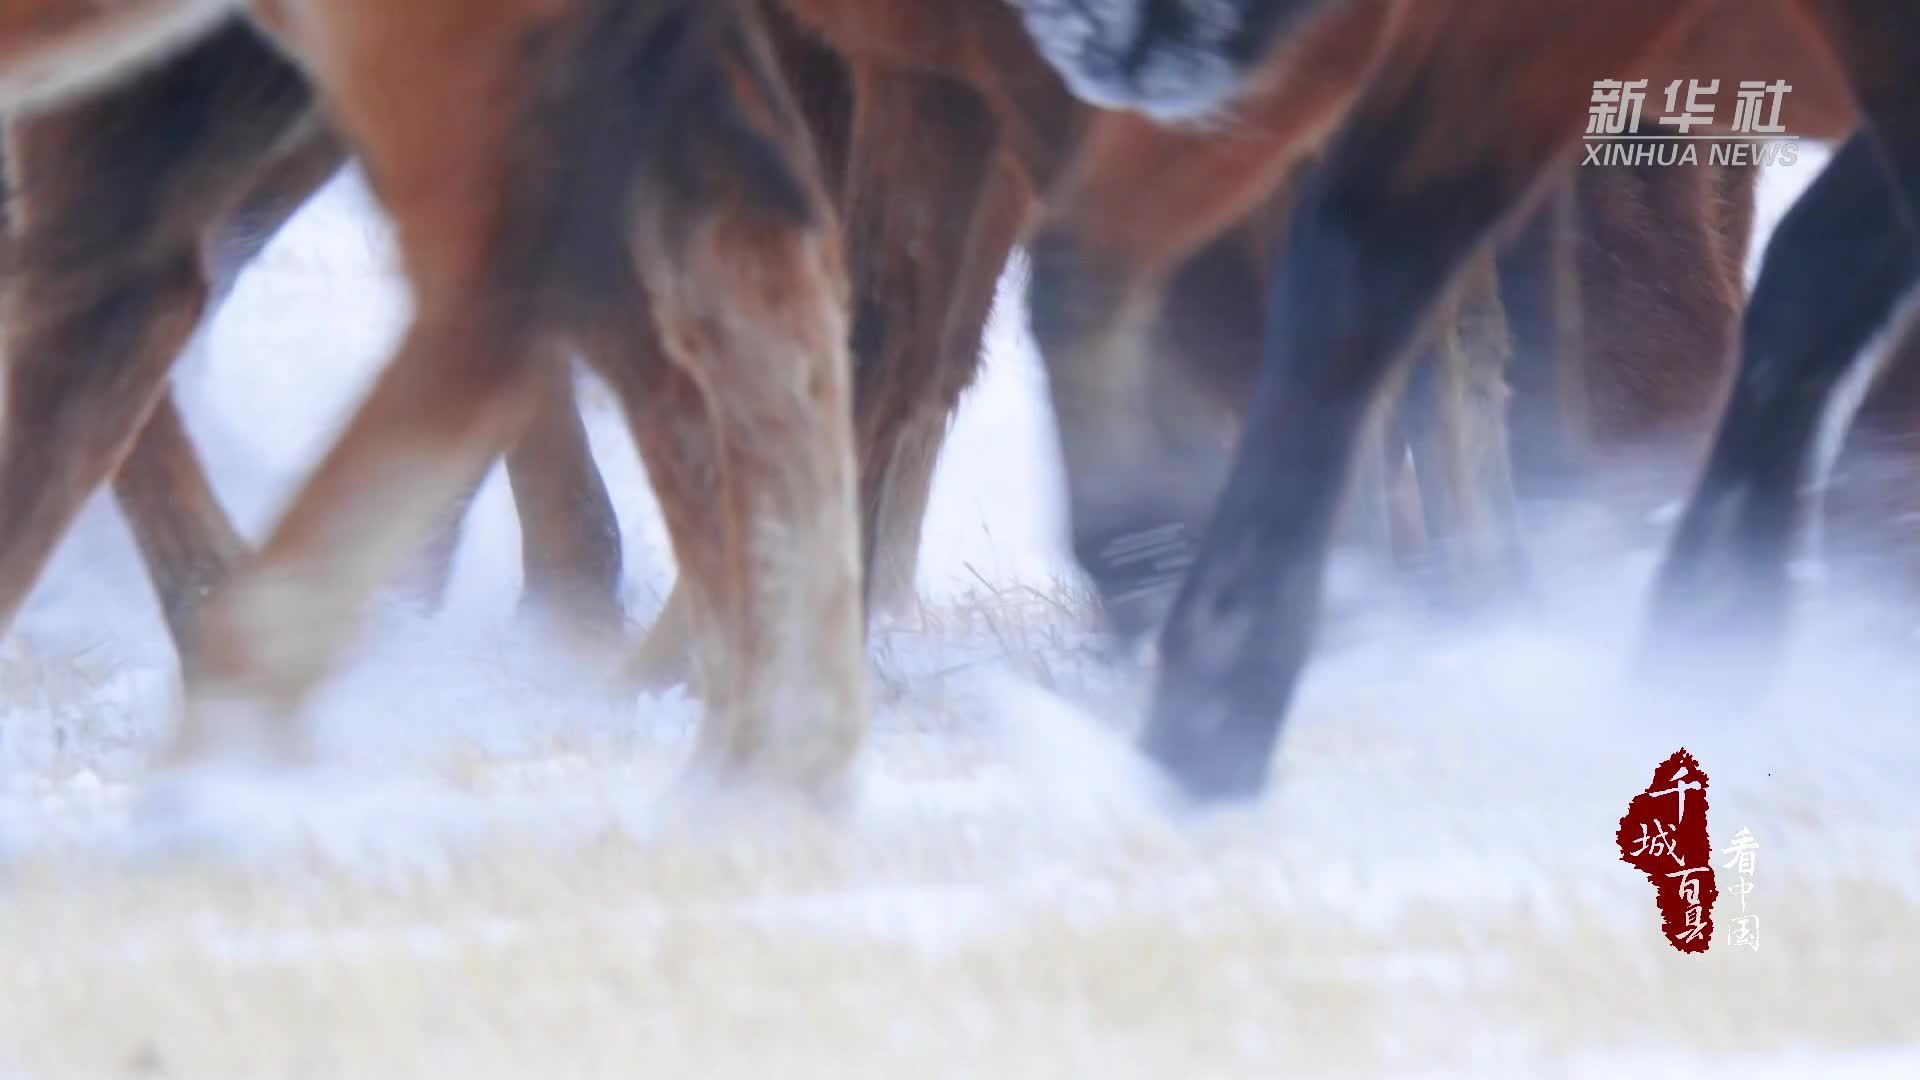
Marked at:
<point>1443,141</point>
<point>1608,335</point>
<point>908,259</point>
<point>1433,485</point>
<point>936,185</point>
<point>196,165</point>
<point>975,48</point>
<point>1633,381</point>
<point>631,178</point>
<point>997,93</point>
<point>930,211</point>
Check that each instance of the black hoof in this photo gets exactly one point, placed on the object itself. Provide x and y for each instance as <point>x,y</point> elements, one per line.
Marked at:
<point>1721,634</point>
<point>1214,754</point>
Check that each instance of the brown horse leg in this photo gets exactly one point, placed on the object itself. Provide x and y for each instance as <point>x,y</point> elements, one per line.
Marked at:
<point>185,538</point>
<point>1000,220</point>
<point>109,200</point>
<point>425,579</point>
<point>822,85</point>
<point>927,248</point>
<point>1664,290</point>
<point>1455,406</point>
<point>457,390</point>
<point>902,498</point>
<point>931,220</point>
<point>744,420</point>
<point>82,379</point>
<point>453,396</point>
<point>187,541</point>
<point>570,540</point>
<point>770,615</point>
<point>503,248</point>
<point>1548,416</point>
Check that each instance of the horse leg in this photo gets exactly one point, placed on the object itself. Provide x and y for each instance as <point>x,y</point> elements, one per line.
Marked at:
<point>187,541</point>
<point>107,283</point>
<point>1140,455</point>
<point>1428,167</point>
<point>931,219</point>
<point>570,539</point>
<point>744,419</point>
<point>933,214</point>
<point>1456,411</point>
<point>1802,342</point>
<point>492,216</point>
<point>1366,518</point>
<point>1540,294</point>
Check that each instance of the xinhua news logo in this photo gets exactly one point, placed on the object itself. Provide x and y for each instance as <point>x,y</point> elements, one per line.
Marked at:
<point>1691,128</point>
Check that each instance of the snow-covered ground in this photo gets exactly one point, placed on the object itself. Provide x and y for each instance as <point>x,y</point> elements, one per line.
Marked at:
<point>499,879</point>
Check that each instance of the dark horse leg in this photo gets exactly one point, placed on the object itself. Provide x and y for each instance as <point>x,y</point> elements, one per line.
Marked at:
<point>1726,572</point>
<point>1802,341</point>
<point>1466,121</point>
